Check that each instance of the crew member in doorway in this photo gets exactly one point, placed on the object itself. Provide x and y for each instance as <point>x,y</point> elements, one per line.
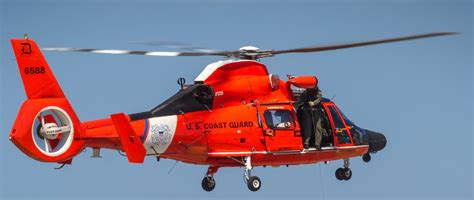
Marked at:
<point>309,113</point>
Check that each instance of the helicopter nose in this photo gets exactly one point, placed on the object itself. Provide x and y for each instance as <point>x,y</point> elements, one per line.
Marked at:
<point>377,141</point>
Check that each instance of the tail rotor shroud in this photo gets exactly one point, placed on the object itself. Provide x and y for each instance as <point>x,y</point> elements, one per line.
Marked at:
<point>54,131</point>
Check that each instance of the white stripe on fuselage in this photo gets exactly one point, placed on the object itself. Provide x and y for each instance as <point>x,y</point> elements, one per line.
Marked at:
<point>311,150</point>
<point>211,68</point>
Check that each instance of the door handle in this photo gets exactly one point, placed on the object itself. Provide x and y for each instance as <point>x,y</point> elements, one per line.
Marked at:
<point>297,133</point>
<point>269,132</point>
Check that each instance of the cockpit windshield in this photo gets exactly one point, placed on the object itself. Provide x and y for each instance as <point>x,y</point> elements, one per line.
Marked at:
<point>359,135</point>
<point>346,119</point>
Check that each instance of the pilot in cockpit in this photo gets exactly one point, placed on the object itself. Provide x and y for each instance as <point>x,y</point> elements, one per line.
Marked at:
<point>284,119</point>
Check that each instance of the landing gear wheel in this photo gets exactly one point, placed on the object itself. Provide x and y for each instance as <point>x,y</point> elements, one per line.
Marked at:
<point>347,174</point>
<point>208,183</point>
<point>343,174</point>
<point>254,183</point>
<point>340,174</point>
<point>366,157</point>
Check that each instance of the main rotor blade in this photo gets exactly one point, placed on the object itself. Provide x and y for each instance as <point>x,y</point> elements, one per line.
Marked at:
<point>252,53</point>
<point>358,44</point>
<point>177,45</point>
<point>144,53</point>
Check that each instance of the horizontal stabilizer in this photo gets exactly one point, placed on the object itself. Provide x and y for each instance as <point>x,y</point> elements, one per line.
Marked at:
<point>131,142</point>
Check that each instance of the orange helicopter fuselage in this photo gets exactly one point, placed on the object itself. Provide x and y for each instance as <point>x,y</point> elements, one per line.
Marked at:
<point>232,126</point>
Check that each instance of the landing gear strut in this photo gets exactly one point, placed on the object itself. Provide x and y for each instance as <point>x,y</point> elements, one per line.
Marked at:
<point>253,182</point>
<point>344,173</point>
<point>208,183</point>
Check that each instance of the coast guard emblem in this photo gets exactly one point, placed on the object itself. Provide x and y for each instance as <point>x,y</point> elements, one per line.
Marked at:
<point>160,135</point>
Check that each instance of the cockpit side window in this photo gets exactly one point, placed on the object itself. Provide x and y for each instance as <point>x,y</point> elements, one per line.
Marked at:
<point>341,130</point>
<point>279,119</point>
<point>359,137</point>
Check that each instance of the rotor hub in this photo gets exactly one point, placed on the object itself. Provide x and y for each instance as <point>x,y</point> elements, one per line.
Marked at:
<point>251,53</point>
<point>50,131</point>
<point>249,49</point>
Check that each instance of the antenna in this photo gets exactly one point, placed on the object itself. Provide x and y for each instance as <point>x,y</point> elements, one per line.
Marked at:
<point>181,81</point>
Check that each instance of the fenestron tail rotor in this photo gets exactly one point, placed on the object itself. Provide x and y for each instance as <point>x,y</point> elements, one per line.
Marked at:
<point>250,52</point>
<point>52,131</point>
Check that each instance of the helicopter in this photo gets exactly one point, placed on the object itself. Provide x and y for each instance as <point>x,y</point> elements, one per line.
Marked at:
<point>229,116</point>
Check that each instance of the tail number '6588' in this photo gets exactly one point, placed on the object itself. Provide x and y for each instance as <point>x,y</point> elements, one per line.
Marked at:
<point>34,70</point>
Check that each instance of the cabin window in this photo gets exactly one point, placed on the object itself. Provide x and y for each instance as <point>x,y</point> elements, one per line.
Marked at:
<point>279,119</point>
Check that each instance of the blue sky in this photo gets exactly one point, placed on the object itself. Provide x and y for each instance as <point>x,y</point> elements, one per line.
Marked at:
<point>418,93</point>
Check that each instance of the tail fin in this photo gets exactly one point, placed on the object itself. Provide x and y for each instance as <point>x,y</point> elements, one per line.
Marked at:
<point>38,79</point>
<point>46,128</point>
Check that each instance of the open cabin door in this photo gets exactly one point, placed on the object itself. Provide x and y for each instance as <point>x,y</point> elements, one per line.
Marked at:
<point>279,126</point>
<point>340,129</point>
